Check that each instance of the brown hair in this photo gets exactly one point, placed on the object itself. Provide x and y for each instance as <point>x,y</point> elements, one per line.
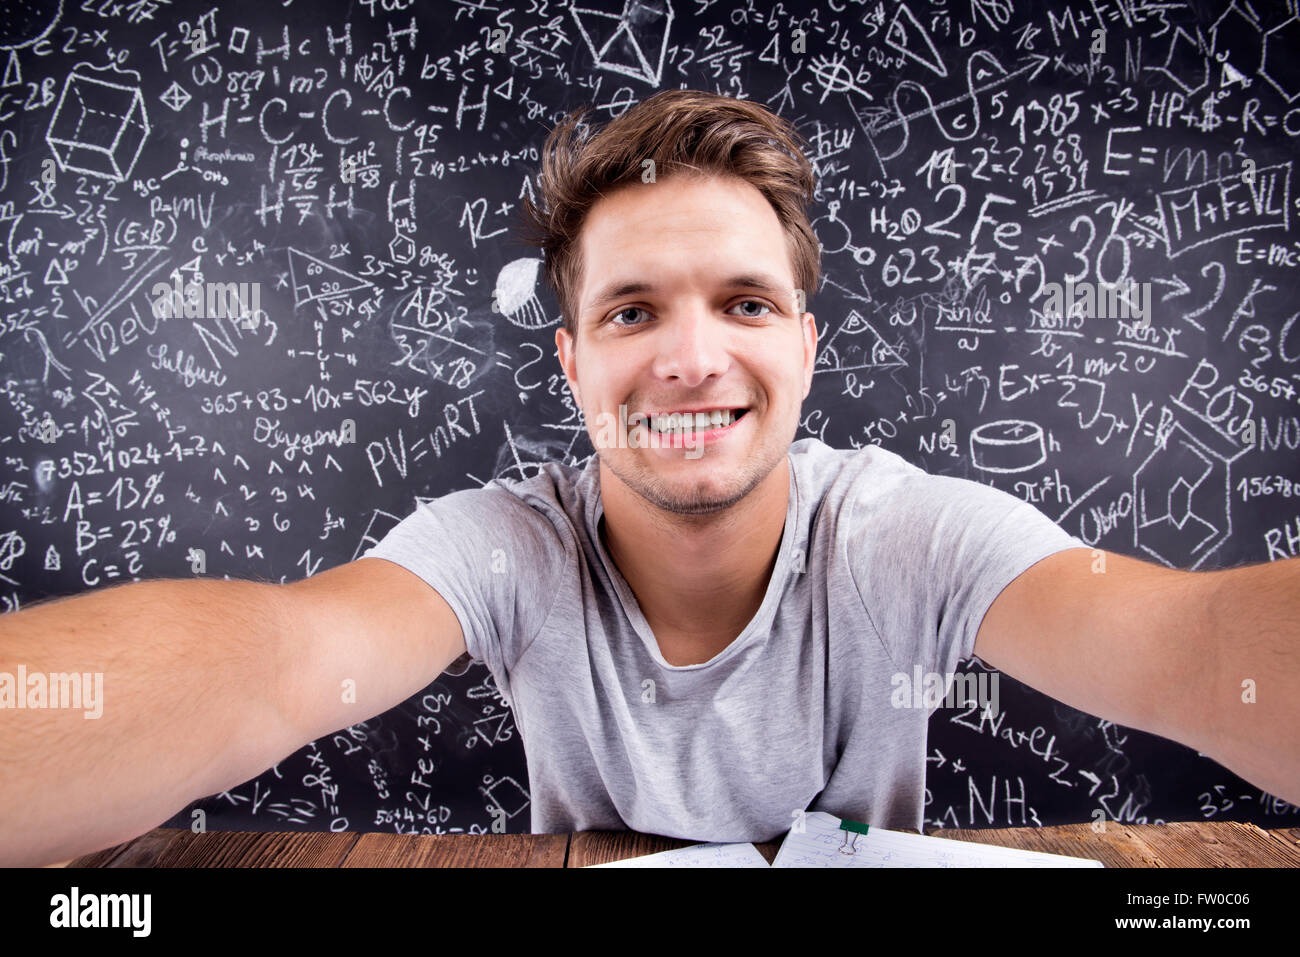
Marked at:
<point>682,131</point>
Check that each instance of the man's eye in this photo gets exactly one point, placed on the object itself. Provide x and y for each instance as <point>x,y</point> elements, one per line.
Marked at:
<point>622,312</point>
<point>754,302</point>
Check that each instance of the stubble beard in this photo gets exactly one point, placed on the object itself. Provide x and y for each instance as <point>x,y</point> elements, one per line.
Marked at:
<point>686,497</point>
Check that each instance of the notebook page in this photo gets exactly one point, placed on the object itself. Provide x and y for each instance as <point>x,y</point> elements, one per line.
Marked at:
<point>824,844</point>
<point>697,855</point>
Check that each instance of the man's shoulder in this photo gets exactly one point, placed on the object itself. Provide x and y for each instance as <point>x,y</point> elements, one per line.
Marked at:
<point>885,503</point>
<point>877,493</point>
<point>823,470</point>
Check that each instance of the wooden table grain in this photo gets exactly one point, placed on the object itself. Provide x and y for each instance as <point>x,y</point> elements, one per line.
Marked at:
<point>1185,844</point>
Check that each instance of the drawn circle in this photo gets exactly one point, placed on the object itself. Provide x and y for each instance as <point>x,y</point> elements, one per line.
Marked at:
<point>27,21</point>
<point>515,293</point>
<point>1008,445</point>
<point>823,225</point>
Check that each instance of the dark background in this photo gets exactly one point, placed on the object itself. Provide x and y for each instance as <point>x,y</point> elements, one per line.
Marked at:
<point>218,156</point>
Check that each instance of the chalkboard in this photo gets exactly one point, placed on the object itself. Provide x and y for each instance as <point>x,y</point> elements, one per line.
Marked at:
<point>354,173</point>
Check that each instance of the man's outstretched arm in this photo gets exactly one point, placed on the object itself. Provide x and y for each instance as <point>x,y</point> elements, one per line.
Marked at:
<point>190,671</point>
<point>1175,653</point>
<point>206,684</point>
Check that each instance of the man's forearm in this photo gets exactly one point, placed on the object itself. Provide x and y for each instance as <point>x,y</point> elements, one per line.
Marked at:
<point>1254,649</point>
<point>190,677</point>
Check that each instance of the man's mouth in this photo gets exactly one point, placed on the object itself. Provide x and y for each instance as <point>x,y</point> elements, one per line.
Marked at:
<point>684,423</point>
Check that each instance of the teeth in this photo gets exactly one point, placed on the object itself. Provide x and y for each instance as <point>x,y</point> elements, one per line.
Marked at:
<point>686,422</point>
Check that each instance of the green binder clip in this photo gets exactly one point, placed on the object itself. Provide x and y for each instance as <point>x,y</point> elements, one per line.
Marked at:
<point>851,827</point>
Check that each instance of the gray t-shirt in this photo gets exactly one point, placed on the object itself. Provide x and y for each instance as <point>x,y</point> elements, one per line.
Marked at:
<point>882,568</point>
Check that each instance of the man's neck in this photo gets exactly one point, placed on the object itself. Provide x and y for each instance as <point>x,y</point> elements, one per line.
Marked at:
<point>697,577</point>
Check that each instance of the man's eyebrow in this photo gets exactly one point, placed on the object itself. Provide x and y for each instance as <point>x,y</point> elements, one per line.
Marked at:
<point>761,282</point>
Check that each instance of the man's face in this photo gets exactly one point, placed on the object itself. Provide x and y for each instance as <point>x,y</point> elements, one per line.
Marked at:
<point>687,302</point>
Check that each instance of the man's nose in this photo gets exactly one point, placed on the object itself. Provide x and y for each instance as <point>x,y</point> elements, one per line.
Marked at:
<point>693,345</point>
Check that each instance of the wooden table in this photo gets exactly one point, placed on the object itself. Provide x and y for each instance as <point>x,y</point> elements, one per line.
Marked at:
<point>1195,844</point>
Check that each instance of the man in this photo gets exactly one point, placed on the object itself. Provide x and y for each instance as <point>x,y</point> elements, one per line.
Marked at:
<point>699,631</point>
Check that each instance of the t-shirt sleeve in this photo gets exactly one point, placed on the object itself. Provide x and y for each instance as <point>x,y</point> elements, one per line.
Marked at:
<point>930,554</point>
<point>493,559</point>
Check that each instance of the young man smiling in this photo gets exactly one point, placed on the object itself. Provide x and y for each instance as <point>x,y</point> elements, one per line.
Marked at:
<point>699,634</point>
<point>686,305</point>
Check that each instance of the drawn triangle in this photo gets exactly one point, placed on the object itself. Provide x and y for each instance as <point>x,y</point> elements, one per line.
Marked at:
<point>54,275</point>
<point>310,277</point>
<point>13,71</point>
<point>905,34</point>
<point>882,354</point>
<point>1232,75</point>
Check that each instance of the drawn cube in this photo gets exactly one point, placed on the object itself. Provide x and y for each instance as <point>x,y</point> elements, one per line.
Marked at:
<point>98,128</point>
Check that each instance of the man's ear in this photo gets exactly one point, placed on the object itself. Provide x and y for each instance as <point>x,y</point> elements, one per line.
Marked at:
<point>564,347</point>
<point>809,329</point>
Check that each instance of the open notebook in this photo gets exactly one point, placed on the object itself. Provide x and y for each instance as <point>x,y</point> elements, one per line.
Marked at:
<point>827,841</point>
